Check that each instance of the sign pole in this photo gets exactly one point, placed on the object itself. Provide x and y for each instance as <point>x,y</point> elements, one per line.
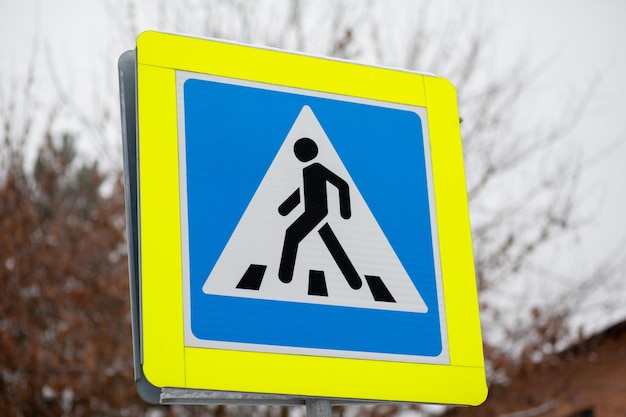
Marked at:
<point>318,408</point>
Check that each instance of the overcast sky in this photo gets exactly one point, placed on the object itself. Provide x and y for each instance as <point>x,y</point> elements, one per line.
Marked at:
<point>577,41</point>
<point>582,41</point>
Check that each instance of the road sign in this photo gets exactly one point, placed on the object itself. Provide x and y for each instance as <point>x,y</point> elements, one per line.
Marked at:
<point>303,227</point>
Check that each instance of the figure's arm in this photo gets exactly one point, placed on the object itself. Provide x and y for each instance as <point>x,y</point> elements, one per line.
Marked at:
<point>344,193</point>
<point>344,201</point>
<point>290,203</point>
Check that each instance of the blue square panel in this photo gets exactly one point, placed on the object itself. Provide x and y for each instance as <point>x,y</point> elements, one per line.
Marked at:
<point>308,223</point>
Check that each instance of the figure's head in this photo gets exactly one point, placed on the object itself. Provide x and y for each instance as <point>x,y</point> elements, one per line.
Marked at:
<point>305,149</point>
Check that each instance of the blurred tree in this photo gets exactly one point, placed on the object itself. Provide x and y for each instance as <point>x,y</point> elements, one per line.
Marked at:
<point>64,310</point>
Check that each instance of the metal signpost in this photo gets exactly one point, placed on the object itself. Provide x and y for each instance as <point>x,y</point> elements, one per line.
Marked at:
<point>298,229</point>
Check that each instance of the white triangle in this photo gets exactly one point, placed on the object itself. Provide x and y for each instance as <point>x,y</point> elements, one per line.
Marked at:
<point>259,235</point>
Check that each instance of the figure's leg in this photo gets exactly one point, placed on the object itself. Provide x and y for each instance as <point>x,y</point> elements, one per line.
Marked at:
<point>288,257</point>
<point>340,257</point>
<point>293,236</point>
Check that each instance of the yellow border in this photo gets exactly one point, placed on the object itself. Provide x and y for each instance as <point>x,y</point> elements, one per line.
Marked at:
<point>166,361</point>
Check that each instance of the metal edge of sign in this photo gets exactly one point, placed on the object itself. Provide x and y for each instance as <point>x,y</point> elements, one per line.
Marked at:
<point>127,66</point>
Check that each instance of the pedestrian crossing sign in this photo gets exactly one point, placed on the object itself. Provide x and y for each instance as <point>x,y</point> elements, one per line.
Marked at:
<point>303,227</point>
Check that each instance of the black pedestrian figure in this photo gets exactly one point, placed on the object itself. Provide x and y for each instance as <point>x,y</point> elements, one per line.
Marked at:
<point>315,177</point>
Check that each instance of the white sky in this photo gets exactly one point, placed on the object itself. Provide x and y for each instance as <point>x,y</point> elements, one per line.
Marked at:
<point>581,41</point>
<point>576,40</point>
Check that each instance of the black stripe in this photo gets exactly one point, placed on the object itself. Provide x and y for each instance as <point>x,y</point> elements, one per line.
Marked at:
<point>252,278</point>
